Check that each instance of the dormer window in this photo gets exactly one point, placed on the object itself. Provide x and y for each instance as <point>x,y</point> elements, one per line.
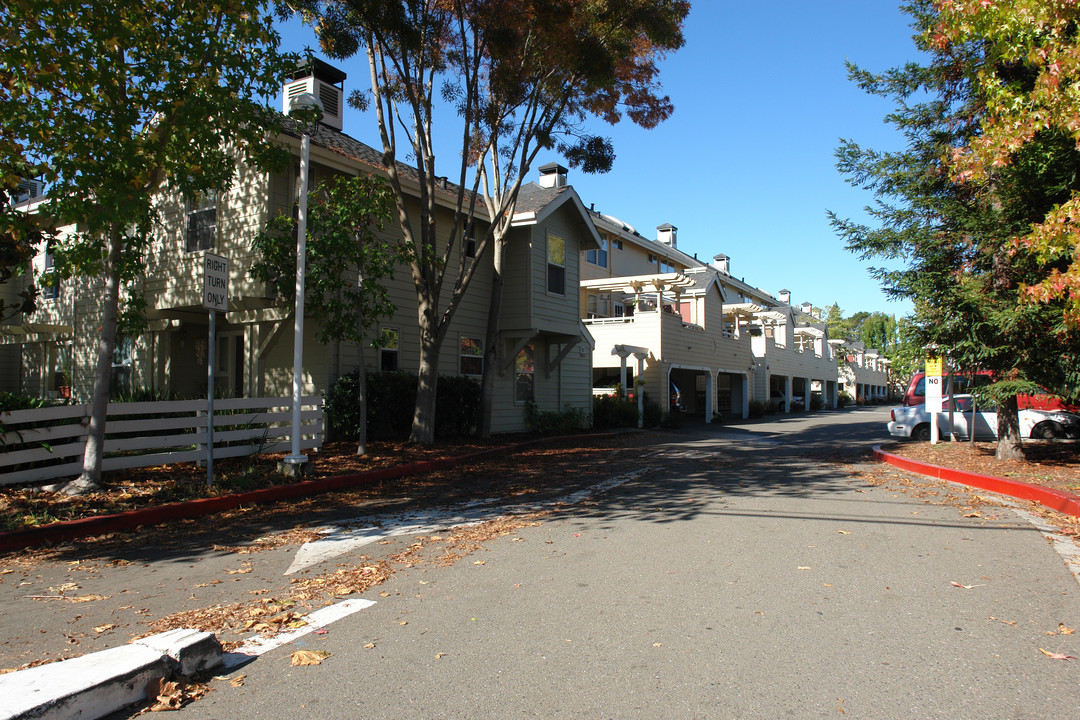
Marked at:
<point>201,221</point>
<point>666,267</point>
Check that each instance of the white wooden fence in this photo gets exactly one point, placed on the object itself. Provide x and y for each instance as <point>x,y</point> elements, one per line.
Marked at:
<point>48,443</point>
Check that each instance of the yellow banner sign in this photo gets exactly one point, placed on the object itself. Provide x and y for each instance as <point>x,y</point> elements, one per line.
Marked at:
<point>933,366</point>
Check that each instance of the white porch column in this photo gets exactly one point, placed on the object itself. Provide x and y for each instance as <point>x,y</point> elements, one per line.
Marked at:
<point>788,385</point>
<point>624,351</point>
<point>745,396</point>
<point>637,394</point>
<point>710,383</point>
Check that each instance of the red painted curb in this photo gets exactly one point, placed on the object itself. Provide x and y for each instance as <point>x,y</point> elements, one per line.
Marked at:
<point>102,524</point>
<point>1053,499</point>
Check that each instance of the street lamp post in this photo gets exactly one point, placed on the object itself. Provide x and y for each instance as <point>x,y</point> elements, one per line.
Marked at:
<point>303,101</point>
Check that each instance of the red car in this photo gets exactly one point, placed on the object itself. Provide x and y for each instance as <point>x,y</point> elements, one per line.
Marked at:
<point>916,392</point>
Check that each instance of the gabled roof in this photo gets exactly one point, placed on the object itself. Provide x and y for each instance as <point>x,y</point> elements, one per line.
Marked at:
<point>535,204</point>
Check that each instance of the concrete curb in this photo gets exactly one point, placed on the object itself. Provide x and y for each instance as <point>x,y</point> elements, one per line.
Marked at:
<point>94,685</point>
<point>1048,497</point>
<point>102,524</point>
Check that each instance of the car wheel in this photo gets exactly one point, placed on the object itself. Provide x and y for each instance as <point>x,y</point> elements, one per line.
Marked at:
<point>1047,431</point>
<point>921,432</point>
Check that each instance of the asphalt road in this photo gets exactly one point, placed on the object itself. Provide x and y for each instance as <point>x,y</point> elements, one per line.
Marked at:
<point>734,574</point>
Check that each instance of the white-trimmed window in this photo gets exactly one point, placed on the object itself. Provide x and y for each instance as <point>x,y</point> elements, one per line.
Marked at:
<point>666,267</point>
<point>525,375</point>
<point>598,257</point>
<point>50,281</point>
<point>120,380</point>
<point>556,265</point>
<point>388,350</point>
<point>471,352</point>
<point>201,221</point>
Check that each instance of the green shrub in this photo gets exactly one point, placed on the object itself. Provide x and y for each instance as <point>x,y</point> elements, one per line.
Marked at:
<point>611,411</point>
<point>652,416</point>
<point>11,401</point>
<point>816,403</point>
<point>391,400</point>
<point>570,420</point>
<point>757,409</point>
<point>844,399</point>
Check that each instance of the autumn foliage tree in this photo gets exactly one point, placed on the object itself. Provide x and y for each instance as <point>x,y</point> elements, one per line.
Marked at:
<point>1027,77</point>
<point>955,240</point>
<point>522,76</point>
<point>112,102</point>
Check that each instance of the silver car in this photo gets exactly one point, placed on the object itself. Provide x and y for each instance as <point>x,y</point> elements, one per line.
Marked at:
<point>914,421</point>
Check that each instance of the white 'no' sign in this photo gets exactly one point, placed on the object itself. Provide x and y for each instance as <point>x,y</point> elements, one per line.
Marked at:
<point>215,282</point>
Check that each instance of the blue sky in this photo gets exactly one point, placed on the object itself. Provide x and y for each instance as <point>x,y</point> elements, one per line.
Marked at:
<point>745,166</point>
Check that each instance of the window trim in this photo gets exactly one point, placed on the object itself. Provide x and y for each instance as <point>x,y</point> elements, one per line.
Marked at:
<point>530,349</point>
<point>386,351</point>
<point>205,205</point>
<point>463,356</point>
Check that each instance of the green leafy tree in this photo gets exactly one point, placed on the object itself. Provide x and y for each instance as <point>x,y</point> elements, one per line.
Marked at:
<point>20,234</point>
<point>347,261</point>
<point>954,238</point>
<point>523,77</point>
<point>112,102</point>
<point>1027,77</point>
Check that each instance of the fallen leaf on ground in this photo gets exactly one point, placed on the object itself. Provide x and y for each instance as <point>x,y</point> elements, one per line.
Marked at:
<point>238,681</point>
<point>972,515</point>
<point>804,567</point>
<point>479,562</point>
<point>369,646</point>
<point>103,628</point>
<point>843,532</point>
<point>88,598</point>
<point>966,587</point>
<point>309,657</point>
<point>168,696</point>
<point>1057,656</point>
<point>1065,629</point>
<point>241,571</point>
<point>439,655</point>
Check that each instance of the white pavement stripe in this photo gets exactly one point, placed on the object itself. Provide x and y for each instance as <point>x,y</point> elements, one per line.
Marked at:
<point>339,540</point>
<point>256,646</point>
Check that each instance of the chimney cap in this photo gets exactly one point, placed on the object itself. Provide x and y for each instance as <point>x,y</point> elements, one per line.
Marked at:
<point>666,226</point>
<point>552,167</point>
<point>720,256</point>
<point>314,67</point>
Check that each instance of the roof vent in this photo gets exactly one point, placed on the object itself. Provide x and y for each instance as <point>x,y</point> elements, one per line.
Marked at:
<point>667,234</point>
<point>553,175</point>
<point>324,82</point>
<point>28,190</point>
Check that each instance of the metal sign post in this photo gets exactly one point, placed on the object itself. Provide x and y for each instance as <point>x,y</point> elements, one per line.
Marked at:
<point>215,298</point>
<point>933,395</point>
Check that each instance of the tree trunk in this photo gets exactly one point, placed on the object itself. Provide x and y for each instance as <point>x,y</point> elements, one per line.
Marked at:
<point>90,479</point>
<point>423,425</point>
<point>1009,445</point>
<point>491,344</point>
<point>361,399</point>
